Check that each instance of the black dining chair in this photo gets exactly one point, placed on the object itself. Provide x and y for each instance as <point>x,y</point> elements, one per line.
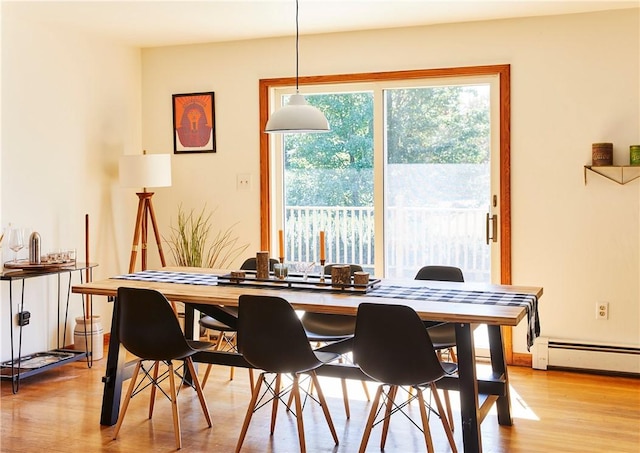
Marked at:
<point>149,329</point>
<point>226,337</point>
<point>323,328</point>
<point>443,335</point>
<point>408,361</point>
<point>271,338</point>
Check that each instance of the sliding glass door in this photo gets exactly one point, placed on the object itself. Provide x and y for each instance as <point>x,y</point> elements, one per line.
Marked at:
<point>403,180</point>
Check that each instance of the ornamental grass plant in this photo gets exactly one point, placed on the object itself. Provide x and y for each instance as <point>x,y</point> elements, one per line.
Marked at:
<point>195,243</point>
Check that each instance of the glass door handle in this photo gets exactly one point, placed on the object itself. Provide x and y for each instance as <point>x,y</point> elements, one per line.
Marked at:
<point>493,219</point>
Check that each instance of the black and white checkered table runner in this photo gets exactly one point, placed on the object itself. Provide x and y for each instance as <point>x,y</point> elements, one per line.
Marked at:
<point>530,302</point>
<point>186,278</point>
<point>389,291</point>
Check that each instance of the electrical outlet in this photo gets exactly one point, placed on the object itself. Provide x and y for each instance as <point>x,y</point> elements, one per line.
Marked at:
<point>243,181</point>
<point>602,310</point>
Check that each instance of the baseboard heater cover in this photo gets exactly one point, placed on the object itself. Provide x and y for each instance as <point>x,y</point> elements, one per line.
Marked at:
<point>562,353</point>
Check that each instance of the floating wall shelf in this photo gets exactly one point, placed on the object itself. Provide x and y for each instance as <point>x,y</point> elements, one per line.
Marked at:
<point>620,174</point>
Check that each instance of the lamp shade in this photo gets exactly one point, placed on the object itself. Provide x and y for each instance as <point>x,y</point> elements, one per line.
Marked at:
<point>296,117</point>
<point>145,170</point>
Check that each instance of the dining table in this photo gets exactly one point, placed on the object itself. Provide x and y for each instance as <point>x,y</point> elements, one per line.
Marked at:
<point>466,305</point>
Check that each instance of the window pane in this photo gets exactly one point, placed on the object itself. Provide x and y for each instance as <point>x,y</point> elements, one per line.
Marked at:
<point>437,179</point>
<point>328,183</point>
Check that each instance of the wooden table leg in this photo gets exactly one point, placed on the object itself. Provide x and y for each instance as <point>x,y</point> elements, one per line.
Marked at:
<point>470,413</point>
<point>499,367</point>
<point>114,375</point>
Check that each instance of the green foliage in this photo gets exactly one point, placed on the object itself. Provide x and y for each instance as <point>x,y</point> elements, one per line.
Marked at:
<point>190,244</point>
<point>444,125</point>
<point>434,125</point>
<point>336,168</point>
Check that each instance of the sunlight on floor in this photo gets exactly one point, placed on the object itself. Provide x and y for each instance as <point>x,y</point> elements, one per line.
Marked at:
<point>332,388</point>
<point>520,408</point>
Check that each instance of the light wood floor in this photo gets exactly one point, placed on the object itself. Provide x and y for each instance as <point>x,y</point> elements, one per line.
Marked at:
<point>554,411</point>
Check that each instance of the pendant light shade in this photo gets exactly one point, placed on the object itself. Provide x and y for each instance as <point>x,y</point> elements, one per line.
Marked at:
<point>297,116</point>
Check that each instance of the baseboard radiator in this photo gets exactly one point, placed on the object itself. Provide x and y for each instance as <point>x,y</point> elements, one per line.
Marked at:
<point>556,353</point>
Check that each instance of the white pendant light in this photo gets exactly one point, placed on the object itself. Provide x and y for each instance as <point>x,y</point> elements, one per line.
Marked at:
<point>297,116</point>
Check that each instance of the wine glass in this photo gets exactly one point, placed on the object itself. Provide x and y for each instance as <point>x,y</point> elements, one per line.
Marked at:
<point>16,241</point>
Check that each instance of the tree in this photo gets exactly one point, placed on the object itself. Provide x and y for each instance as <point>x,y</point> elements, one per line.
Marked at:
<point>447,124</point>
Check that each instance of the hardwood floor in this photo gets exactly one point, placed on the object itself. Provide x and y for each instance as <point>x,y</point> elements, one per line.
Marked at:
<point>554,411</point>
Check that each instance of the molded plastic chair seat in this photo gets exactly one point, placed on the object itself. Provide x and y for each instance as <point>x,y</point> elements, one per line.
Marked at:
<point>209,322</point>
<point>443,336</point>
<point>149,329</point>
<point>325,327</point>
<point>271,338</point>
<point>410,360</point>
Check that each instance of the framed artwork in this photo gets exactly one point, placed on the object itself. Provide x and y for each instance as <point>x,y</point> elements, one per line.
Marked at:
<point>194,129</point>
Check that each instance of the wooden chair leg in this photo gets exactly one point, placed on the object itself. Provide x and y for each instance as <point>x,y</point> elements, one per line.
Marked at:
<point>152,397</point>
<point>127,398</point>
<point>249,414</point>
<point>445,423</point>
<point>447,403</point>
<point>274,404</point>
<point>366,390</point>
<point>290,400</point>
<point>196,383</point>
<point>345,393</point>
<point>391,396</point>
<point>206,375</point>
<point>447,400</point>
<point>174,408</point>
<point>372,416</point>
<point>425,421</point>
<point>345,398</point>
<point>298,401</point>
<point>325,407</point>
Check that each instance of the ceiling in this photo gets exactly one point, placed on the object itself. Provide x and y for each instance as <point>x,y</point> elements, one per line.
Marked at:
<point>152,23</point>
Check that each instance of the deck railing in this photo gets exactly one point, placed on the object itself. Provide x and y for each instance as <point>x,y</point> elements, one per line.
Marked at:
<point>415,237</point>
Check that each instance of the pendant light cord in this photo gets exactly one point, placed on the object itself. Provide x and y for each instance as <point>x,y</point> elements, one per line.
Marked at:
<point>297,45</point>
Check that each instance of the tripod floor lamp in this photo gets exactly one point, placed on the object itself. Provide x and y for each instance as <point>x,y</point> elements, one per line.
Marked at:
<point>145,170</point>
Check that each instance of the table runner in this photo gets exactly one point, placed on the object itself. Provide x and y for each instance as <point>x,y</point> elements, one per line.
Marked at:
<point>187,278</point>
<point>530,302</point>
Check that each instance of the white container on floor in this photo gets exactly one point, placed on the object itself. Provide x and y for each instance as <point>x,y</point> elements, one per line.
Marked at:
<point>94,331</point>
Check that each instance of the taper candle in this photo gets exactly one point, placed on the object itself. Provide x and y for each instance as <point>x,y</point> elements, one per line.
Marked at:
<point>322,245</point>
<point>281,243</point>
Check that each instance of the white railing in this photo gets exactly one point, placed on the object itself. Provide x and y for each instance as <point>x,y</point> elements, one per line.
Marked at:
<point>415,237</point>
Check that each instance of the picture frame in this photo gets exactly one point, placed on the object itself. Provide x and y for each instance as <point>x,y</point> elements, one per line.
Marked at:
<point>194,129</point>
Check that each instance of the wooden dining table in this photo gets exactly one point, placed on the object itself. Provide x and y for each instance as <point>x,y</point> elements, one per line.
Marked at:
<point>206,290</point>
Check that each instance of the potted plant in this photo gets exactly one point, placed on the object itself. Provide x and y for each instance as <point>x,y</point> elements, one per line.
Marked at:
<point>194,243</point>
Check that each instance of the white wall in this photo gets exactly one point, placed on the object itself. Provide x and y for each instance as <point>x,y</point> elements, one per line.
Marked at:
<point>574,82</point>
<point>71,105</point>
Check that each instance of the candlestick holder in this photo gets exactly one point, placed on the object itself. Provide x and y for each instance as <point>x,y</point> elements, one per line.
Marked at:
<point>322,271</point>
